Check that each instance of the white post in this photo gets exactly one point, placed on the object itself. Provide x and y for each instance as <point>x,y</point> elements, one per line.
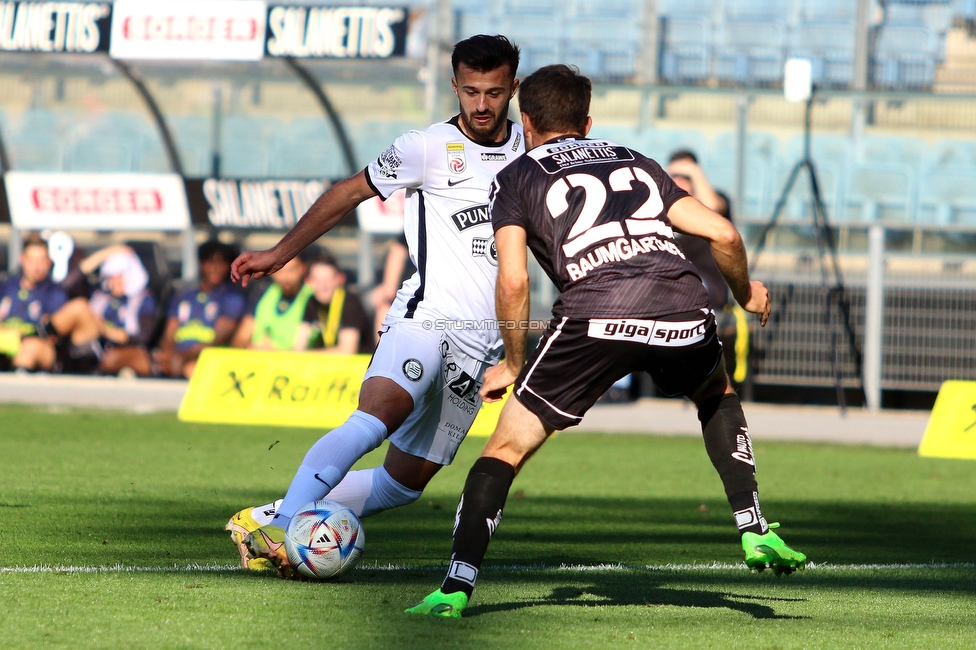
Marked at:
<point>874,317</point>
<point>741,135</point>
<point>364,262</point>
<point>14,245</point>
<point>188,251</point>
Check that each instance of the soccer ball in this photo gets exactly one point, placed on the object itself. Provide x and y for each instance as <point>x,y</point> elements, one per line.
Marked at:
<point>324,540</point>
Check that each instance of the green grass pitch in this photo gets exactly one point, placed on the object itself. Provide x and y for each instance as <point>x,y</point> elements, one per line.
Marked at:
<point>112,537</point>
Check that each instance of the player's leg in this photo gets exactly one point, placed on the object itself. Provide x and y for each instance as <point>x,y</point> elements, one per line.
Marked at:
<point>403,369</point>
<point>567,373</point>
<point>399,481</point>
<point>115,358</point>
<point>698,371</point>
<point>519,434</point>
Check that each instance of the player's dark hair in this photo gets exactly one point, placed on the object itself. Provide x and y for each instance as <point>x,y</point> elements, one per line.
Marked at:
<point>683,154</point>
<point>33,239</point>
<point>484,53</point>
<point>557,99</point>
<point>213,248</point>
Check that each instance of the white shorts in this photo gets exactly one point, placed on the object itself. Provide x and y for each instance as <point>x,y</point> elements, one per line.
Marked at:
<point>444,384</point>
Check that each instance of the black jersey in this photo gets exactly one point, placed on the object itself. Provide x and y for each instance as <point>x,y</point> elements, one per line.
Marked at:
<point>595,216</point>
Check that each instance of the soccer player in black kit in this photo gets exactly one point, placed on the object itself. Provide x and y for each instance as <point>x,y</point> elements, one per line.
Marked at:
<point>600,219</point>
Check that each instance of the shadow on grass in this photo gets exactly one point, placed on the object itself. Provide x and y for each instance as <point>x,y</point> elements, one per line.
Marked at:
<point>635,590</point>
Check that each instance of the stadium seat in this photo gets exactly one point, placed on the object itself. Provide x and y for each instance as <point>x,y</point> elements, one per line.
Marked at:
<point>742,58</point>
<point>830,47</point>
<point>308,148</point>
<point>952,153</point>
<point>244,159</point>
<point>893,150</point>
<point>879,192</point>
<point>193,137</point>
<point>948,197</point>
<point>37,152</point>
<point>100,155</point>
<point>828,10</point>
<point>686,52</point>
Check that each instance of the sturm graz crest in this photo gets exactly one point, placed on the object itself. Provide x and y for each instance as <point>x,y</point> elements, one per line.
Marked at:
<point>485,247</point>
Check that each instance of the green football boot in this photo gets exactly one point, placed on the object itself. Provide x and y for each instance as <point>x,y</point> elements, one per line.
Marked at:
<point>769,551</point>
<point>441,605</point>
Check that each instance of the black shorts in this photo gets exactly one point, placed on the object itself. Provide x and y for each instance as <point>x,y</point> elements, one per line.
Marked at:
<point>578,360</point>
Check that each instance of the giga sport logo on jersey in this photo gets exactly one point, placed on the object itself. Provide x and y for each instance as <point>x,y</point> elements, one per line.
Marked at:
<point>649,332</point>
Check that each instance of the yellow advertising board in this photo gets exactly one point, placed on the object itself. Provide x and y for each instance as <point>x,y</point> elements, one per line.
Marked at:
<point>951,431</point>
<point>295,389</point>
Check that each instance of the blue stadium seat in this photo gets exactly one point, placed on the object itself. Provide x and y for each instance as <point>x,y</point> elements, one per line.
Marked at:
<point>825,149</point>
<point>828,10</point>
<point>35,151</point>
<point>193,137</point>
<point>880,192</point>
<point>830,47</point>
<point>742,57</point>
<point>688,8</point>
<point>893,150</point>
<point>953,153</point>
<point>686,53</point>
<point>243,159</point>
<point>308,148</point>
<point>948,196</point>
<point>758,10</point>
<point>100,155</point>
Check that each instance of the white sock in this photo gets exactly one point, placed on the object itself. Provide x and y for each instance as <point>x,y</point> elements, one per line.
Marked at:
<point>328,461</point>
<point>370,491</point>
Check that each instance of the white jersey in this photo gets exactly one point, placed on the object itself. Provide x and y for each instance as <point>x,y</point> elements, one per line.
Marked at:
<point>448,229</point>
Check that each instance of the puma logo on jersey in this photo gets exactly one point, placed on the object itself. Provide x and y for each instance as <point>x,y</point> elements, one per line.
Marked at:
<point>473,216</point>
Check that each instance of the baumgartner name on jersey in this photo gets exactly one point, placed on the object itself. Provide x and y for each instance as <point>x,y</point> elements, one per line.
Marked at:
<point>447,225</point>
<point>594,210</point>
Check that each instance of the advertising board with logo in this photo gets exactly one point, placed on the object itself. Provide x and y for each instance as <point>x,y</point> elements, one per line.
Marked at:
<point>383,217</point>
<point>337,32</point>
<point>75,27</point>
<point>214,30</point>
<point>252,204</point>
<point>40,200</point>
<point>296,389</point>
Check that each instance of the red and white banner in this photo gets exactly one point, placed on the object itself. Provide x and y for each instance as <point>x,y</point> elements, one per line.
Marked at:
<point>382,217</point>
<point>41,200</point>
<point>216,30</point>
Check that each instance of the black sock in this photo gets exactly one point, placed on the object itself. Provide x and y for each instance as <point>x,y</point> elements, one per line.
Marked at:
<point>478,514</point>
<point>727,442</point>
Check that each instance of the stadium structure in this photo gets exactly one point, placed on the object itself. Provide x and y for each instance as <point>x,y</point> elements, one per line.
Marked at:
<point>253,111</point>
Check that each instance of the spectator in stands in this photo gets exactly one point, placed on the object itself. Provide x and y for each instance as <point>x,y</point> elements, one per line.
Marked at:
<point>202,315</point>
<point>688,175</point>
<point>125,310</point>
<point>279,318</point>
<point>35,312</point>
<point>340,323</point>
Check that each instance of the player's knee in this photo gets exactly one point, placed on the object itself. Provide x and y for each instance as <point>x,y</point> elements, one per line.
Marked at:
<point>386,493</point>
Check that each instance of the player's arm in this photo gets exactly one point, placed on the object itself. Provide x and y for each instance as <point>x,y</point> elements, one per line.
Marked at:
<point>692,218</point>
<point>512,309</point>
<point>325,213</point>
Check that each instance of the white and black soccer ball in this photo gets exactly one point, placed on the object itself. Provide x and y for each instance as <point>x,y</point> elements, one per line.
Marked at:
<point>324,540</point>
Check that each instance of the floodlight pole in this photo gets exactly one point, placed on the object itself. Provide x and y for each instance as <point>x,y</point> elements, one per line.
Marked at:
<point>826,247</point>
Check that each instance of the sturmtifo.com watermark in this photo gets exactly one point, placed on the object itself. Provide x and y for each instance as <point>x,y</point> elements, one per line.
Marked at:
<point>486,324</point>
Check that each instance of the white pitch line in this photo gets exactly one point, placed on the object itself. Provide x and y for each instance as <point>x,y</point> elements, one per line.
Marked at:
<point>597,568</point>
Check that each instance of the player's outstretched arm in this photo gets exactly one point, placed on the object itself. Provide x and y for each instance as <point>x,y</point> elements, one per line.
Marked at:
<point>512,310</point>
<point>692,218</point>
<point>325,213</point>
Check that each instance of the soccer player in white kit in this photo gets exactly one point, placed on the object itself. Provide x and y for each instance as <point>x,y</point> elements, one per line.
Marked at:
<point>421,388</point>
